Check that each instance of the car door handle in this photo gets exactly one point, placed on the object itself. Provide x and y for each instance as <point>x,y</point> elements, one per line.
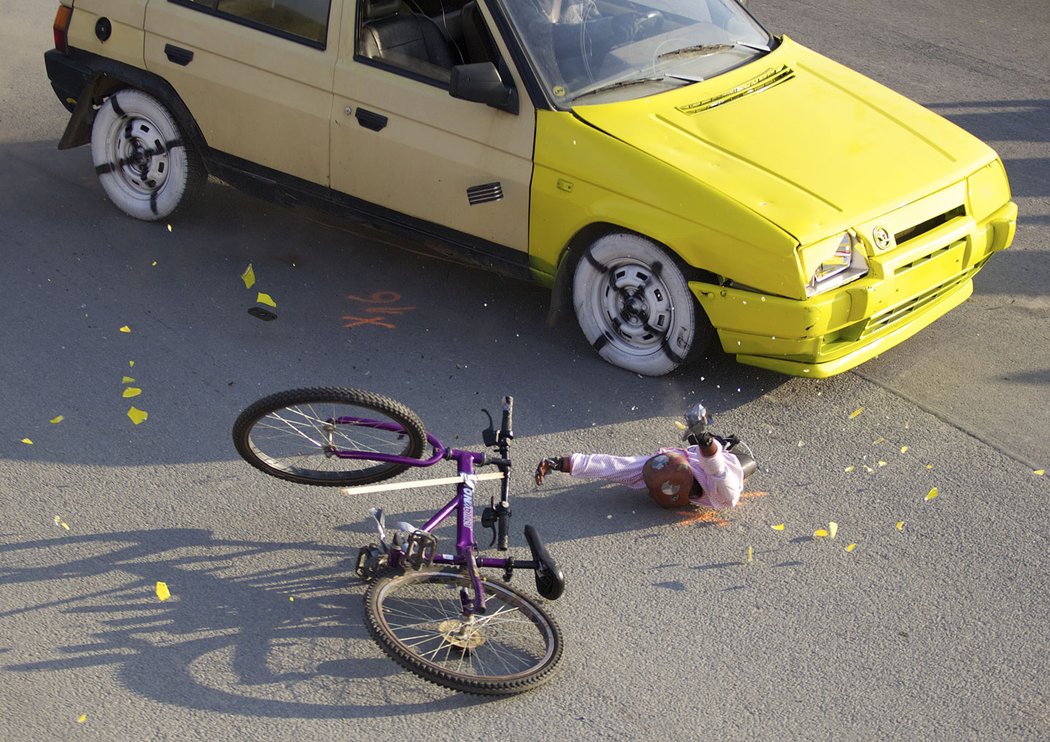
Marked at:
<point>370,120</point>
<point>178,55</point>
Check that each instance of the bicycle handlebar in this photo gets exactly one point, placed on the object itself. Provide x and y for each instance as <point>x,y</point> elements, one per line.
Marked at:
<point>506,434</point>
<point>506,427</point>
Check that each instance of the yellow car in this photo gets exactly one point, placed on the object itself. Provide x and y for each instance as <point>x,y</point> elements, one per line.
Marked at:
<point>669,168</point>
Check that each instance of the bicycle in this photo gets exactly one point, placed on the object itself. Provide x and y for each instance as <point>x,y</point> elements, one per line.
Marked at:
<point>432,613</point>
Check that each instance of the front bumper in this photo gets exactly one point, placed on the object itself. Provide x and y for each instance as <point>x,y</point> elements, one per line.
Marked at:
<point>831,333</point>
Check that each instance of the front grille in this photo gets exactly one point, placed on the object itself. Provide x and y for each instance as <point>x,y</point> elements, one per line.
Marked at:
<point>929,225</point>
<point>901,312</point>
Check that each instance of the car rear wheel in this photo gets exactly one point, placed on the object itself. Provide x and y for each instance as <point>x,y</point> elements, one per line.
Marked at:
<point>635,307</point>
<point>144,162</point>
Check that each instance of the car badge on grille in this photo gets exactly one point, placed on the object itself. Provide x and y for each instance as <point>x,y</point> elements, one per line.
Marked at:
<point>883,239</point>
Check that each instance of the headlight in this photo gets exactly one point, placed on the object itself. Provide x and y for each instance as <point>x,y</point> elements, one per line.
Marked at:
<point>832,262</point>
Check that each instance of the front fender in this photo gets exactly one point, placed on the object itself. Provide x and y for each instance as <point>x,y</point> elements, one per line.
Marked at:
<point>585,180</point>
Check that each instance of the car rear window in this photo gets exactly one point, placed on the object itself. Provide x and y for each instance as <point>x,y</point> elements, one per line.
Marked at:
<point>298,19</point>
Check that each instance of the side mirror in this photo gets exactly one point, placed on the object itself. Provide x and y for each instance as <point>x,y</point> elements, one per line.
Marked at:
<point>481,82</point>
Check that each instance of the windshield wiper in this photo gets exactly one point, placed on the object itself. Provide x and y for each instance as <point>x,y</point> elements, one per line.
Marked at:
<point>620,84</point>
<point>712,49</point>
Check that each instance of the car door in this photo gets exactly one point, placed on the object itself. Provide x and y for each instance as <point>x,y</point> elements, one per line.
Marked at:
<point>255,74</point>
<point>400,141</point>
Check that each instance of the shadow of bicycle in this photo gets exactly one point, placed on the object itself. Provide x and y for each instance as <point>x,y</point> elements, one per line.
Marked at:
<point>253,628</point>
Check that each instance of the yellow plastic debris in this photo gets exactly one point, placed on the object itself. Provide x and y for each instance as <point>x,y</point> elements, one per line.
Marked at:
<point>27,441</point>
<point>778,527</point>
<point>56,420</point>
<point>750,555</point>
<point>162,591</point>
<point>137,416</point>
<point>131,364</point>
<point>248,276</point>
<point>904,449</point>
<point>81,719</point>
<point>61,523</point>
<point>900,525</point>
<point>851,547</point>
<point>931,494</point>
<point>125,328</point>
<point>820,533</point>
<point>856,412</point>
<point>266,299</point>
<point>131,391</point>
<point>833,528</point>
<point>849,468</point>
<point>127,380</point>
<point>1039,472</point>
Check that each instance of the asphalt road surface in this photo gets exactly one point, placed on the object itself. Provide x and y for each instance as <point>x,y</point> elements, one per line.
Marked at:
<point>934,626</point>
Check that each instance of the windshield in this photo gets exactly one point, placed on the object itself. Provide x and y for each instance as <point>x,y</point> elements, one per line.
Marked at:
<point>596,51</point>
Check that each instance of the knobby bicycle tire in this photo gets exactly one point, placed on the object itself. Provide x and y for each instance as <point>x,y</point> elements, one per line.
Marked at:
<point>417,619</point>
<point>290,435</point>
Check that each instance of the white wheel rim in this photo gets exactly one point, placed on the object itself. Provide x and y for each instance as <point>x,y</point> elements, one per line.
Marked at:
<point>139,155</point>
<point>634,307</point>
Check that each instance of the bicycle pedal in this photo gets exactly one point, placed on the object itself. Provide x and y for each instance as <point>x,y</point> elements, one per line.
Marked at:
<point>371,561</point>
<point>419,549</point>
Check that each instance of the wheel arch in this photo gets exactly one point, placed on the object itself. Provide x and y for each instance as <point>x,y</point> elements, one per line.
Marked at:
<point>110,77</point>
<point>561,291</point>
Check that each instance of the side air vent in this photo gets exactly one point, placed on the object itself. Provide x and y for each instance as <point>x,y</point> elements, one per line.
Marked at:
<point>481,194</point>
<point>765,81</point>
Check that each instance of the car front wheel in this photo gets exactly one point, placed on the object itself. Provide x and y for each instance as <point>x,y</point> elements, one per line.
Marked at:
<point>635,307</point>
<point>143,160</point>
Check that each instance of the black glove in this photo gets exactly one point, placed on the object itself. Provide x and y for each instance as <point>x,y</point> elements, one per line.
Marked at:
<point>702,438</point>
<point>548,464</point>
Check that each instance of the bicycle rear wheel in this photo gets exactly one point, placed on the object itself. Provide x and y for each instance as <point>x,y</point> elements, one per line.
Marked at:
<point>417,618</point>
<point>293,435</point>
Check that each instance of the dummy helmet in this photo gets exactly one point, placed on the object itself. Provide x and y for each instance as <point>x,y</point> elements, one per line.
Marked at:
<point>669,479</point>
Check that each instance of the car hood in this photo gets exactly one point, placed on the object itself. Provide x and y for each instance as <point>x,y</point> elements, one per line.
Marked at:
<point>809,144</point>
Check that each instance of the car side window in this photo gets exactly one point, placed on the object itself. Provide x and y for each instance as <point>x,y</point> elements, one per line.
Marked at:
<point>300,20</point>
<point>421,41</point>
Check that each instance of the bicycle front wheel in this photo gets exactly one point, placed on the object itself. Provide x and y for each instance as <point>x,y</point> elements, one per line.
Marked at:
<point>295,435</point>
<point>417,618</point>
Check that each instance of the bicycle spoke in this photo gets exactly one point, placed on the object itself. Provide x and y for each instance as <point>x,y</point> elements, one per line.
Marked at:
<point>299,435</point>
<point>427,622</point>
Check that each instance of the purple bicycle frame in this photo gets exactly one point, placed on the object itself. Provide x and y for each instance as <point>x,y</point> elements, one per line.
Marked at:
<point>462,503</point>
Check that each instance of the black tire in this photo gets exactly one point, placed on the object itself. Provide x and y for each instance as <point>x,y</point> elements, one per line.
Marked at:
<point>144,161</point>
<point>635,307</point>
<point>417,619</point>
<point>290,435</point>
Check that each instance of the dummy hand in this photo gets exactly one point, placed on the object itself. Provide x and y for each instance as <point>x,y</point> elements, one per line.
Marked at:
<point>547,465</point>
